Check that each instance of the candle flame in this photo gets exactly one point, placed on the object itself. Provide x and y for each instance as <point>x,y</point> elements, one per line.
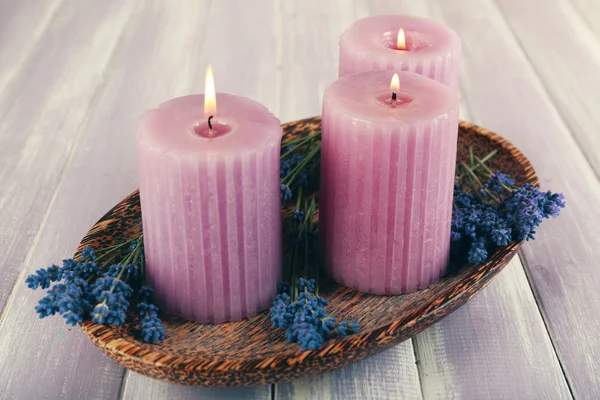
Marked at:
<point>395,85</point>
<point>210,99</point>
<point>401,42</point>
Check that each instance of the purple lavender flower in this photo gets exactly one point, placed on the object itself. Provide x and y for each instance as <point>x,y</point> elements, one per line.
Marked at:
<point>280,315</point>
<point>151,327</point>
<point>43,277</point>
<point>88,253</point>
<point>114,293</point>
<point>494,184</point>
<point>298,215</point>
<point>479,226</point>
<point>305,319</point>
<point>286,194</point>
<point>478,253</point>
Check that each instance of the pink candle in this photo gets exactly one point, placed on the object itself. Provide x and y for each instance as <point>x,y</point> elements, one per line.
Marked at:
<point>211,207</point>
<point>423,46</point>
<point>387,174</point>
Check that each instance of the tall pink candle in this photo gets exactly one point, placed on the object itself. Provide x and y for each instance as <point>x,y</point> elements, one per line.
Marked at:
<point>429,48</point>
<point>211,207</point>
<point>387,174</point>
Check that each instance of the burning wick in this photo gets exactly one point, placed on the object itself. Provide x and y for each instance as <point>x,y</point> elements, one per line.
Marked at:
<point>395,87</point>
<point>209,124</point>
<point>210,98</point>
<point>401,41</point>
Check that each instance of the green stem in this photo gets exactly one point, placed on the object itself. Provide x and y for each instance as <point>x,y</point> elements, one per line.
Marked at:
<point>471,156</point>
<point>102,250</point>
<point>305,243</point>
<point>483,160</point>
<point>318,261</point>
<point>299,198</point>
<point>289,178</point>
<point>471,173</point>
<point>307,141</point>
<point>300,141</point>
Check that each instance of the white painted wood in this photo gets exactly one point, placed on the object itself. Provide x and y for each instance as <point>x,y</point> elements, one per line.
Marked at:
<point>565,53</point>
<point>40,113</point>
<point>388,375</point>
<point>505,95</point>
<point>139,387</point>
<point>22,24</point>
<point>58,127</point>
<point>508,327</point>
<point>160,41</point>
<point>589,10</point>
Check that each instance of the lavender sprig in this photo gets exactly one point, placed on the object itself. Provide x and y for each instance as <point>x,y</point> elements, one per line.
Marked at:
<point>490,210</point>
<point>86,289</point>
<point>305,319</point>
<point>298,308</point>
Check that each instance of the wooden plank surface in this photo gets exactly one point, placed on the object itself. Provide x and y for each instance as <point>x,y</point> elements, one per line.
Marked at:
<point>139,387</point>
<point>510,330</point>
<point>388,375</point>
<point>162,41</point>
<point>22,24</point>
<point>562,262</point>
<point>69,103</point>
<point>565,53</point>
<point>41,110</point>
<point>42,114</point>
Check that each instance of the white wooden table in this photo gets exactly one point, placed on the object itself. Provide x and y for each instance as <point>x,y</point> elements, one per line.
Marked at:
<point>75,75</point>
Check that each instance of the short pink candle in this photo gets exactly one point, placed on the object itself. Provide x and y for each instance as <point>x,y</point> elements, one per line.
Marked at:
<point>387,174</point>
<point>428,48</point>
<point>211,207</point>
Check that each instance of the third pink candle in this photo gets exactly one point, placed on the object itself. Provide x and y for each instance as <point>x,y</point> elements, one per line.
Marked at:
<point>388,161</point>
<point>401,43</point>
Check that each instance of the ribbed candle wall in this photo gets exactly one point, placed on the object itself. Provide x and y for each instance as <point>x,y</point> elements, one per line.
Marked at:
<point>212,261</point>
<point>432,49</point>
<point>386,197</point>
<point>212,220</point>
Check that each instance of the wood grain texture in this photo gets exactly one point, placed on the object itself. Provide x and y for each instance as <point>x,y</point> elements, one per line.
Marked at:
<point>562,262</point>
<point>47,82</point>
<point>565,53</point>
<point>388,375</point>
<point>22,24</point>
<point>450,364</point>
<point>41,111</point>
<point>140,387</point>
<point>156,42</point>
<point>160,40</point>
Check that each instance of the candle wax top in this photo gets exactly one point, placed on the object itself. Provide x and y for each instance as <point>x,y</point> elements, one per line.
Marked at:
<point>367,96</point>
<point>239,125</point>
<point>377,36</point>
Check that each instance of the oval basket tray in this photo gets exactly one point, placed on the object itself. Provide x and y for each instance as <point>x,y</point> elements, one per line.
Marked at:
<point>251,352</point>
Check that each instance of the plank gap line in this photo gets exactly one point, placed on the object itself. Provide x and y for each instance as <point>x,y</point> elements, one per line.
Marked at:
<point>544,317</point>
<point>61,175</point>
<point>33,48</point>
<point>415,347</point>
<point>544,87</point>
